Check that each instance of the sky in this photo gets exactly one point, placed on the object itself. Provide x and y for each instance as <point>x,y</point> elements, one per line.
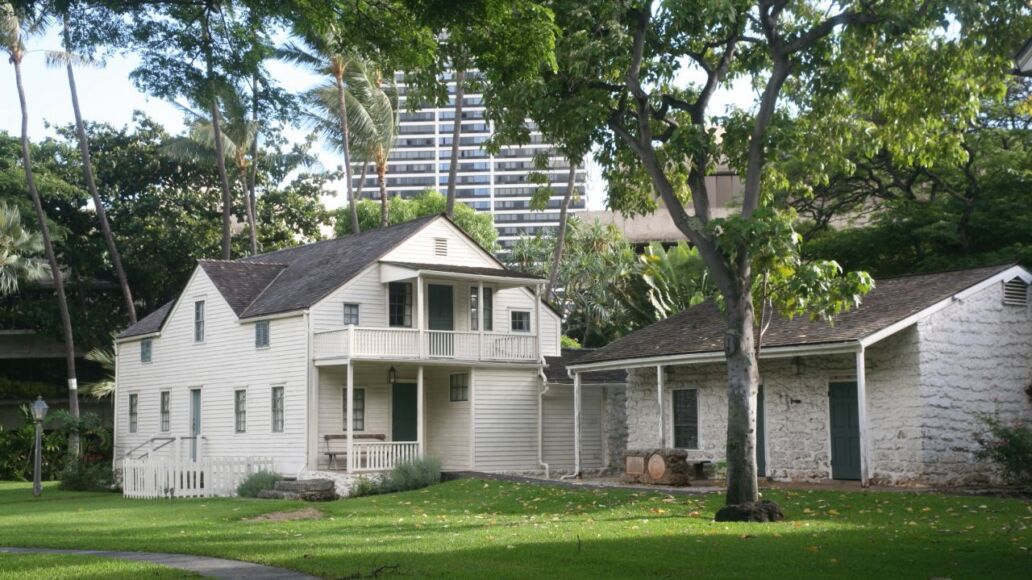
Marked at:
<point>107,95</point>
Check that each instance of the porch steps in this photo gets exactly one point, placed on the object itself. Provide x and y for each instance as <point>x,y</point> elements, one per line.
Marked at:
<point>303,489</point>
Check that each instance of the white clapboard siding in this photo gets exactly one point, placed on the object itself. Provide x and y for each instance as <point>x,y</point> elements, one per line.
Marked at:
<point>420,248</point>
<point>365,290</point>
<point>505,411</point>
<point>447,422</point>
<point>226,361</point>
<point>558,428</point>
<point>523,299</point>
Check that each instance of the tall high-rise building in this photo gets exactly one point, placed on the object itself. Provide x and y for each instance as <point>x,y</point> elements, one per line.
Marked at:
<point>500,184</point>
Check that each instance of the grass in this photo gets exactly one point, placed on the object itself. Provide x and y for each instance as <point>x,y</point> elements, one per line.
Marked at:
<point>473,528</point>
<point>44,566</point>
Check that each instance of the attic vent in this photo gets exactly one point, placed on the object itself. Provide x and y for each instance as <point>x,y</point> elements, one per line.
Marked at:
<point>440,246</point>
<point>1015,292</point>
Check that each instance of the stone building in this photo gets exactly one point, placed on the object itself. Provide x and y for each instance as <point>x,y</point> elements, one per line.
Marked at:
<point>888,394</point>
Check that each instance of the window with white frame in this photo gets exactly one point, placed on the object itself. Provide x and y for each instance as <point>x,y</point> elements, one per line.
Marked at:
<point>358,409</point>
<point>146,350</point>
<point>134,401</point>
<point>489,309</point>
<point>277,409</point>
<point>686,418</point>
<point>399,298</point>
<point>261,334</point>
<point>240,410</point>
<point>198,333</point>
<point>458,387</point>
<point>474,309</point>
<point>351,314</point>
<point>520,320</point>
<point>166,404</point>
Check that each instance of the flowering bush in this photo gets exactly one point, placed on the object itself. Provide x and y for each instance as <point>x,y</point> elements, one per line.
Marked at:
<point>1009,445</point>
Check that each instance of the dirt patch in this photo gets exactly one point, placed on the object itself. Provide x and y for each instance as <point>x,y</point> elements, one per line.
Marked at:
<point>305,514</point>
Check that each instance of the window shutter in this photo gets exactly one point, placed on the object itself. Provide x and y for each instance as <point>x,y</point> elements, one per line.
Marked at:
<point>1015,292</point>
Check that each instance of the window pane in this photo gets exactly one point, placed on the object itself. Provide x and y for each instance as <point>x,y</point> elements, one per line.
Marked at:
<point>358,412</point>
<point>165,395</point>
<point>261,334</point>
<point>145,350</point>
<point>133,400</point>
<point>473,315</point>
<point>240,405</point>
<point>488,309</point>
<point>351,314</point>
<point>520,321</point>
<point>277,409</point>
<point>400,304</point>
<point>686,419</point>
<point>459,390</point>
<point>199,321</point>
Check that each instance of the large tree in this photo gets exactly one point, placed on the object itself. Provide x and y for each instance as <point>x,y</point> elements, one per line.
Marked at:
<point>639,77</point>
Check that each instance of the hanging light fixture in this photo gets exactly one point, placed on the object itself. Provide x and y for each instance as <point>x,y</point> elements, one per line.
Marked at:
<point>392,375</point>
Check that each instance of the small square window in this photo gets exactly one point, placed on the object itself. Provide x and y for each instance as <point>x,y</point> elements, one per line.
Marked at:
<point>351,314</point>
<point>459,388</point>
<point>520,321</point>
<point>146,350</point>
<point>261,334</point>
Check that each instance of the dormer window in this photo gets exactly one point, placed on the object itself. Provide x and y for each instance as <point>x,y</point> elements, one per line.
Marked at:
<point>198,333</point>
<point>1015,292</point>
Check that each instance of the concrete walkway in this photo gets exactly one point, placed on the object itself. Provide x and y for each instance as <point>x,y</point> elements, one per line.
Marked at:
<point>203,565</point>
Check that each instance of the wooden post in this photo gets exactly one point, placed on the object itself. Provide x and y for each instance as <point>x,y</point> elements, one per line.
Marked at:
<point>350,418</point>
<point>861,405</point>
<point>420,423</point>
<point>480,319</point>
<point>659,397</point>
<point>419,316</point>
<point>576,424</point>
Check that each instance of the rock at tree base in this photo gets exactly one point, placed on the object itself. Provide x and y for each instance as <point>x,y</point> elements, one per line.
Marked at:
<point>761,511</point>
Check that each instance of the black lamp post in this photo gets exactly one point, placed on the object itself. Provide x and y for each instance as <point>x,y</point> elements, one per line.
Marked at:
<point>39,411</point>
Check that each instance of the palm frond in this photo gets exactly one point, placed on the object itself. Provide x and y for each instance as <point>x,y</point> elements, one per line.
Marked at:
<point>60,58</point>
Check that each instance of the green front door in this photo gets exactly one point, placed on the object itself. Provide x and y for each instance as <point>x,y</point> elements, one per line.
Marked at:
<point>404,412</point>
<point>761,436</point>
<point>845,431</point>
<point>440,316</point>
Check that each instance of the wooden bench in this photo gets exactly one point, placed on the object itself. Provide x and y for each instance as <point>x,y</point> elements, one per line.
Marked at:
<point>332,455</point>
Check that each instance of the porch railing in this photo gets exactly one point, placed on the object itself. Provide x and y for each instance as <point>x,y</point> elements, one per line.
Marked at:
<point>409,343</point>
<point>155,477</point>
<point>382,455</point>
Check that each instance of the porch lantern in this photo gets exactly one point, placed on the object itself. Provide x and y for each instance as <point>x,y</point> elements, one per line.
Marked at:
<point>392,375</point>
<point>39,412</point>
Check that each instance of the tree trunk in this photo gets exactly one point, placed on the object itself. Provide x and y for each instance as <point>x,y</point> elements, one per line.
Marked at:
<point>87,169</point>
<point>216,125</point>
<point>361,184</point>
<point>55,268</point>
<point>346,132</point>
<point>453,165</point>
<point>252,174</point>
<point>743,379</point>
<point>560,238</point>
<point>381,181</point>
<point>249,209</point>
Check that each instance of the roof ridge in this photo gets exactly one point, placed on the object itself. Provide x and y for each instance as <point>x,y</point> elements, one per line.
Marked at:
<point>1001,267</point>
<point>342,238</point>
<point>242,261</point>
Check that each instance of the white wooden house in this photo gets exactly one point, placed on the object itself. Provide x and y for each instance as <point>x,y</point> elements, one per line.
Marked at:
<point>440,349</point>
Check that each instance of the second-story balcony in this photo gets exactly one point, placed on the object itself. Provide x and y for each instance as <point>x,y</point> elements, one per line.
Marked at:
<point>413,344</point>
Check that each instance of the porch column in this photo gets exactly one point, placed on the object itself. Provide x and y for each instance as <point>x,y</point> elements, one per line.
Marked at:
<point>350,418</point>
<point>537,316</point>
<point>419,411</point>
<point>480,319</point>
<point>662,415</point>
<point>861,405</point>
<point>419,315</point>
<point>576,424</point>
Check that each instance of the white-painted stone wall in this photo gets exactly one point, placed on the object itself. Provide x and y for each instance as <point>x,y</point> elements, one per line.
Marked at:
<point>925,384</point>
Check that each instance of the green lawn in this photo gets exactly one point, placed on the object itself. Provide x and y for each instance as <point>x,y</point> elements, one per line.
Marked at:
<point>45,566</point>
<point>473,528</point>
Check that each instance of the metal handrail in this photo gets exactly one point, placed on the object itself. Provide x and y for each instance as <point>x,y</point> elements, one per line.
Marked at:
<point>167,440</point>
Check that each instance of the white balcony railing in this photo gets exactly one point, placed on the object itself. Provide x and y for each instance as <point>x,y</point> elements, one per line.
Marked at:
<point>408,343</point>
<point>383,455</point>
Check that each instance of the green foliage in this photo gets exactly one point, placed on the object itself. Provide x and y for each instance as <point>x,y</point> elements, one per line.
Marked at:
<point>81,475</point>
<point>676,279</point>
<point>257,482</point>
<point>20,252</point>
<point>569,342</point>
<point>1009,446</point>
<point>405,476</point>
<point>16,450</point>
<point>479,225</point>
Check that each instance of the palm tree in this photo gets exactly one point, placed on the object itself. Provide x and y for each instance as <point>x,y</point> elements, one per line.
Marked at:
<point>372,112</point>
<point>453,164</point>
<point>560,238</point>
<point>67,58</point>
<point>320,54</point>
<point>11,39</point>
<point>207,47</point>
<point>19,252</point>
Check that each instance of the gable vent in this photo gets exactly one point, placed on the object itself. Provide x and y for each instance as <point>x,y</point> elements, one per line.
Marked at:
<point>1015,292</point>
<point>440,246</point>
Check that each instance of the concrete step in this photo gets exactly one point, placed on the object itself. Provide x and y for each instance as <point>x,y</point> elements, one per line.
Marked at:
<point>305,485</point>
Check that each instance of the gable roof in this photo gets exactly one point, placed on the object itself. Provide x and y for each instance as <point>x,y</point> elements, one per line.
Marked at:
<point>149,324</point>
<point>701,329</point>
<point>240,282</point>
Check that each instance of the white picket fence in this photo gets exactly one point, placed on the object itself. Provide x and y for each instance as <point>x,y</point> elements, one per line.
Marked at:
<point>178,478</point>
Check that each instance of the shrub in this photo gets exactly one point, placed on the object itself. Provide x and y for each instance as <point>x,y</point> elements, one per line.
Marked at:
<point>414,474</point>
<point>1009,446</point>
<point>363,485</point>
<point>257,482</point>
<point>79,475</point>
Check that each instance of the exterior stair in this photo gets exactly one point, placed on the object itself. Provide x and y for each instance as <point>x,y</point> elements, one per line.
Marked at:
<point>304,489</point>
